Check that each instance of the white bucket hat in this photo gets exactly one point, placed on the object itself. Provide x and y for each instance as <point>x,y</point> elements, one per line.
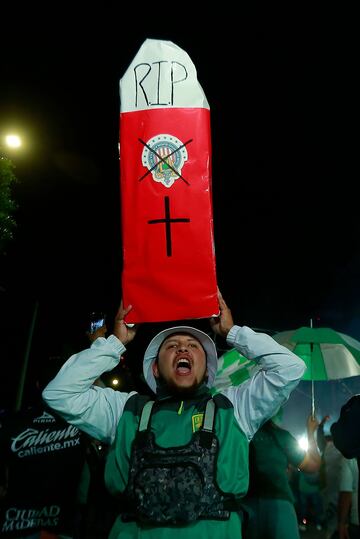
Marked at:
<point>152,350</point>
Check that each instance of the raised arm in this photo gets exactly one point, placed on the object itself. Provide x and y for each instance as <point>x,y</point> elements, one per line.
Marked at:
<point>72,394</point>
<point>312,459</point>
<point>279,372</point>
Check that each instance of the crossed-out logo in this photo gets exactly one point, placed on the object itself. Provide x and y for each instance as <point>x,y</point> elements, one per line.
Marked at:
<point>33,441</point>
<point>164,155</point>
<point>23,519</point>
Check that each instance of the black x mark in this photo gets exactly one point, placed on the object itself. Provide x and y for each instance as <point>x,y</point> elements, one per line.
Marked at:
<point>164,160</point>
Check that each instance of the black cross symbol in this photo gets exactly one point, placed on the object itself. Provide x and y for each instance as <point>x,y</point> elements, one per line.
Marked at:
<point>168,222</point>
<point>164,160</point>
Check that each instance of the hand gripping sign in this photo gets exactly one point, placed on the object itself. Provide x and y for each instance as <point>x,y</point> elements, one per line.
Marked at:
<point>165,159</point>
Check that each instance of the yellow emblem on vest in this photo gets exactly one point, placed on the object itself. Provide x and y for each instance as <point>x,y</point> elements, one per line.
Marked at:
<point>197,421</point>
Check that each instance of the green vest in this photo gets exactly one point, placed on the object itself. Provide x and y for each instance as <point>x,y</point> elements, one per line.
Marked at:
<point>173,423</point>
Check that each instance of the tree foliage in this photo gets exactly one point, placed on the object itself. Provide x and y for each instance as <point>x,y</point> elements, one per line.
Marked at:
<point>7,203</point>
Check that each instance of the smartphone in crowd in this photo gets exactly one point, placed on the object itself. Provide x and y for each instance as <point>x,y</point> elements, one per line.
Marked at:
<point>97,320</point>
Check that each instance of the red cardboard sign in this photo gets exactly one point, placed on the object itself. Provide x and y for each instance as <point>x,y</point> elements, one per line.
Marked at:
<point>165,179</point>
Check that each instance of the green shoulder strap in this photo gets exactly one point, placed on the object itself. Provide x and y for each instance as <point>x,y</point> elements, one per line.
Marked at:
<point>145,415</point>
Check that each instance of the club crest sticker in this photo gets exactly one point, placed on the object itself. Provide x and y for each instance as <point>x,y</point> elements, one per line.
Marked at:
<point>164,156</point>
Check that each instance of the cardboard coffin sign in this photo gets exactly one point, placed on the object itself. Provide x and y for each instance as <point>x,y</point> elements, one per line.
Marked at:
<point>165,183</point>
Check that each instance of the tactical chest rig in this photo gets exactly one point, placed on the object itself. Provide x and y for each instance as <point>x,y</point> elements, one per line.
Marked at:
<point>175,485</point>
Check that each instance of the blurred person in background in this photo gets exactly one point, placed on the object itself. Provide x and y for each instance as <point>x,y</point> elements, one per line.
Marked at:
<point>270,501</point>
<point>41,460</point>
<point>331,459</point>
<point>346,433</point>
<point>348,515</point>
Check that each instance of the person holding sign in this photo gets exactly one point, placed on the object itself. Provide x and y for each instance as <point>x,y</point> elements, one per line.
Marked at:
<point>180,460</point>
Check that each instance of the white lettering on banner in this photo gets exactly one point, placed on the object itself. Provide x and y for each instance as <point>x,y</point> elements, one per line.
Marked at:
<point>22,519</point>
<point>45,418</point>
<point>48,448</point>
<point>34,437</point>
<point>155,82</point>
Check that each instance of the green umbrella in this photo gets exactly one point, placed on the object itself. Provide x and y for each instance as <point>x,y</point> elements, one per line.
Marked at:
<point>328,355</point>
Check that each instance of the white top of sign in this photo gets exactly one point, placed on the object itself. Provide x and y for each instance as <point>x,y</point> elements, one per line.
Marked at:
<point>161,76</point>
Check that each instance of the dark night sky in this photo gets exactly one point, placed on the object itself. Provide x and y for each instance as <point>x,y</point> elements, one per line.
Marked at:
<point>281,92</point>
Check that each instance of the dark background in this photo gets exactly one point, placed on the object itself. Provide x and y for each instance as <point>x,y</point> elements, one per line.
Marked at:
<point>281,87</point>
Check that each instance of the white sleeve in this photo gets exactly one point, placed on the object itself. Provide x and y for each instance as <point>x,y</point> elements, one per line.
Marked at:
<point>348,477</point>
<point>71,393</point>
<point>258,398</point>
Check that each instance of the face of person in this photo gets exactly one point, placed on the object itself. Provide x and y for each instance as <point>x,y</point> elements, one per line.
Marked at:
<point>181,363</point>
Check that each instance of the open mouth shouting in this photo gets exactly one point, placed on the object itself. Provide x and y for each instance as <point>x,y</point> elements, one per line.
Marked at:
<point>183,366</point>
<point>181,362</point>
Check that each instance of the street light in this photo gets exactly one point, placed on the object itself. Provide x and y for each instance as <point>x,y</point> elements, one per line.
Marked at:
<point>13,141</point>
<point>9,144</point>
